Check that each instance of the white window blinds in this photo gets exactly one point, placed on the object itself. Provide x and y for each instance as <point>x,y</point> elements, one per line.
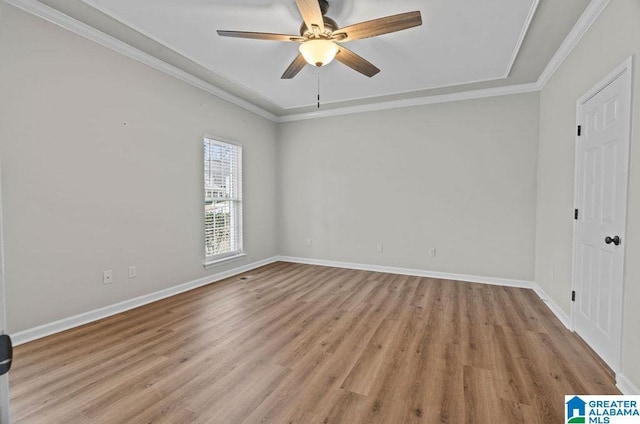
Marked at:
<point>222,199</point>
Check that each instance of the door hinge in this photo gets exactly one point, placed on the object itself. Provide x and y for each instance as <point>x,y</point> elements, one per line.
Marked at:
<point>573,295</point>
<point>575,214</point>
<point>579,130</point>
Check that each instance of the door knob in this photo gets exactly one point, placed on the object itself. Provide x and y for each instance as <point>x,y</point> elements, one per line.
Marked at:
<point>615,240</point>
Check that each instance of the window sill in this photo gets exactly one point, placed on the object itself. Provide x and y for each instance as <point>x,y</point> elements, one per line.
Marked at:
<point>215,262</point>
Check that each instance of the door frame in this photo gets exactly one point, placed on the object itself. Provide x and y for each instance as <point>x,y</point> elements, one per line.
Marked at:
<point>4,379</point>
<point>624,70</point>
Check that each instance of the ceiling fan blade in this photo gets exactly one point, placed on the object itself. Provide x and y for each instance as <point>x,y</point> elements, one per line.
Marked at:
<point>311,13</point>
<point>260,35</point>
<point>356,62</point>
<point>379,26</point>
<point>295,67</point>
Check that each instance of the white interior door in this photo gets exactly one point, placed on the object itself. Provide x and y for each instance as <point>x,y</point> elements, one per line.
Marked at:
<point>601,198</point>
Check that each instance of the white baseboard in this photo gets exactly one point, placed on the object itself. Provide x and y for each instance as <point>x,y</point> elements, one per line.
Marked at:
<point>97,314</point>
<point>557,311</point>
<point>626,386</point>
<point>622,382</point>
<point>413,272</point>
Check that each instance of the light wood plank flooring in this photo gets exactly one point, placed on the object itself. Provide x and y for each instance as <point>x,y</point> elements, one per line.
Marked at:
<point>296,343</point>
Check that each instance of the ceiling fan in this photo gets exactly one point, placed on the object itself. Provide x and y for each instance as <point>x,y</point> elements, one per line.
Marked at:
<point>320,35</point>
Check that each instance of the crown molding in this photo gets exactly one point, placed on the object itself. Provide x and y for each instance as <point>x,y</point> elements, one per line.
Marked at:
<point>58,18</point>
<point>417,101</point>
<point>581,27</point>
<point>523,33</point>
<point>587,19</point>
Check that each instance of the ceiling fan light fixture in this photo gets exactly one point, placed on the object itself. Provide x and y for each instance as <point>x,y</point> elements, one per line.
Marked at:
<point>318,52</point>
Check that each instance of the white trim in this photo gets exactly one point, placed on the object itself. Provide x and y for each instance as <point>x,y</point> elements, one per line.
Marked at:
<point>379,97</point>
<point>589,16</point>
<point>411,271</point>
<point>416,101</point>
<point>514,54</point>
<point>58,18</point>
<point>3,292</point>
<point>557,311</point>
<point>170,46</point>
<point>626,66</point>
<point>4,379</point>
<point>626,386</point>
<point>97,314</point>
<point>581,27</point>
<point>583,24</point>
<point>523,33</point>
<point>219,261</point>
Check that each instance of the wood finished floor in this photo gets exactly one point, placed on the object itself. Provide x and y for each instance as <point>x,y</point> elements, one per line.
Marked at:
<point>305,344</point>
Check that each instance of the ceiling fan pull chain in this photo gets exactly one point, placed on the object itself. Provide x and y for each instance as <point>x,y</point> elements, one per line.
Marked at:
<point>318,88</point>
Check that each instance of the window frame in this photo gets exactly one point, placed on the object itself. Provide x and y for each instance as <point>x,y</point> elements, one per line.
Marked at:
<point>237,200</point>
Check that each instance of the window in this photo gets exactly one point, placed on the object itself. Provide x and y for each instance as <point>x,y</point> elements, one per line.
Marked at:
<point>222,200</point>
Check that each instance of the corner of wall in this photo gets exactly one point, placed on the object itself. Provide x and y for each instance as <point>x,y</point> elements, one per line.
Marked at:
<point>557,311</point>
<point>278,185</point>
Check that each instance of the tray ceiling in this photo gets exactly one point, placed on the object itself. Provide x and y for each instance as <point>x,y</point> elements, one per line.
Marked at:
<point>460,42</point>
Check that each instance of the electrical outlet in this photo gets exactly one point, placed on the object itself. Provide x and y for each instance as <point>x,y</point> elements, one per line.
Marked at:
<point>379,247</point>
<point>132,271</point>
<point>107,276</point>
<point>432,252</point>
<point>309,242</point>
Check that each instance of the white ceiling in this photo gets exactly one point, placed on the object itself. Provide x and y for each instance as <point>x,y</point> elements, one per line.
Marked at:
<point>460,41</point>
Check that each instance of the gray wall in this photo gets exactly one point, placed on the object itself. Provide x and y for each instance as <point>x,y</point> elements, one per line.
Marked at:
<point>613,37</point>
<point>460,177</point>
<point>102,169</point>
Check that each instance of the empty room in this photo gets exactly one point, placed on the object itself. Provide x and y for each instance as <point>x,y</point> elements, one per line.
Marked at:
<point>310,211</point>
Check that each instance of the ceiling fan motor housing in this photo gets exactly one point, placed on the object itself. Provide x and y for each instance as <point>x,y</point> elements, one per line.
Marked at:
<point>329,26</point>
